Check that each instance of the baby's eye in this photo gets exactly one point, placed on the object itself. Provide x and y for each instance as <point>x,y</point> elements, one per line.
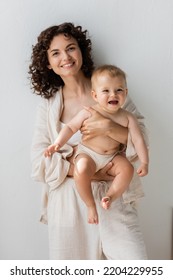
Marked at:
<point>120,89</point>
<point>105,90</point>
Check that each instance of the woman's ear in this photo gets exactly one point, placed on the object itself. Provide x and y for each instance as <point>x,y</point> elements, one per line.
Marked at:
<point>49,67</point>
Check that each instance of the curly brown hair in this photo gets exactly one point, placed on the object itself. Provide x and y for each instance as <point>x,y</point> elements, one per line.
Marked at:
<point>44,81</point>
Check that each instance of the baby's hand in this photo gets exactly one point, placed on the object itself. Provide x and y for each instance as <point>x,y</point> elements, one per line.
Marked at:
<point>51,150</point>
<point>143,169</point>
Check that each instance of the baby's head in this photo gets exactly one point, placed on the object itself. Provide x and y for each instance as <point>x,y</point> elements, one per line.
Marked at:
<point>107,70</point>
<point>108,83</point>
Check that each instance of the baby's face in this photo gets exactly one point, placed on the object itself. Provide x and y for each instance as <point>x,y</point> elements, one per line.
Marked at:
<point>110,92</point>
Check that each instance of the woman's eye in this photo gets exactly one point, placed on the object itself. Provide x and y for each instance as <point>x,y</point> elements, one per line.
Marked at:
<point>71,49</point>
<point>55,53</point>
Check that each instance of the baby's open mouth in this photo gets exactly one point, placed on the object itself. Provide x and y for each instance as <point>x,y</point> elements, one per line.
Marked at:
<point>113,102</point>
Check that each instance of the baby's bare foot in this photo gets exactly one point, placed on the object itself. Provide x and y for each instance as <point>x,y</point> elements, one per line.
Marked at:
<point>92,215</point>
<point>106,202</point>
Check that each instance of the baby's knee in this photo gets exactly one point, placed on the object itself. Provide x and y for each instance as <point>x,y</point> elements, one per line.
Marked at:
<point>125,165</point>
<point>84,165</point>
<point>128,168</point>
<point>81,169</point>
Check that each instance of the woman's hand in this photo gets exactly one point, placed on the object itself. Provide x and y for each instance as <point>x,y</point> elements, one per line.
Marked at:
<point>98,125</point>
<point>102,174</point>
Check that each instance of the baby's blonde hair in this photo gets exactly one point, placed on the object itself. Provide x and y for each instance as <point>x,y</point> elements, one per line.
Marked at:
<point>112,70</point>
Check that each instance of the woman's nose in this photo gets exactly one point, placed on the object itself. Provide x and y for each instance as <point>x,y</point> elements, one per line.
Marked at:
<point>65,55</point>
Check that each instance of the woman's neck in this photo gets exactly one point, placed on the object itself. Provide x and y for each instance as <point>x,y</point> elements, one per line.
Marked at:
<point>76,94</point>
<point>77,86</point>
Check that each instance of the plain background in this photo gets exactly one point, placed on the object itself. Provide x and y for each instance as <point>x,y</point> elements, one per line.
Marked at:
<point>137,35</point>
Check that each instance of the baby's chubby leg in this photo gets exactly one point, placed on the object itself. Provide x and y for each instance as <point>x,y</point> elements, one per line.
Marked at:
<point>123,171</point>
<point>84,170</point>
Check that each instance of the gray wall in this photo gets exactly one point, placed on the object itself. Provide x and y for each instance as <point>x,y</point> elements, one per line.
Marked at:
<point>135,35</point>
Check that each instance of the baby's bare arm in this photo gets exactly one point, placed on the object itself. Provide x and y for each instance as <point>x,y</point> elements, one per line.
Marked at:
<point>64,135</point>
<point>139,144</point>
<point>66,132</point>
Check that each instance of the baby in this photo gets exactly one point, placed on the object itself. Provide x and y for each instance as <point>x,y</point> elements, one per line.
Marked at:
<point>109,90</point>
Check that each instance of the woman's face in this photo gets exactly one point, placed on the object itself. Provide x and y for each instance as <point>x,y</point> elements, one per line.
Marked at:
<point>64,56</point>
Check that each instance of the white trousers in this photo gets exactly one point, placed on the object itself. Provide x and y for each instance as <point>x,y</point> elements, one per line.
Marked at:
<point>116,237</point>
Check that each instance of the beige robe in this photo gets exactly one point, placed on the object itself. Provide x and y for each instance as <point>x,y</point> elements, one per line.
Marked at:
<point>63,202</point>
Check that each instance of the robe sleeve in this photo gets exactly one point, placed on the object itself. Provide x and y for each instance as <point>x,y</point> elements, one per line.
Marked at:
<point>53,170</point>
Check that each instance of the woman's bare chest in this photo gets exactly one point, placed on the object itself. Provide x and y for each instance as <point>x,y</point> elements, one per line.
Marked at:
<point>72,106</point>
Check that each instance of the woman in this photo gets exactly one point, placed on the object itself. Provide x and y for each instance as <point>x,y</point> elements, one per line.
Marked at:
<point>60,72</point>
